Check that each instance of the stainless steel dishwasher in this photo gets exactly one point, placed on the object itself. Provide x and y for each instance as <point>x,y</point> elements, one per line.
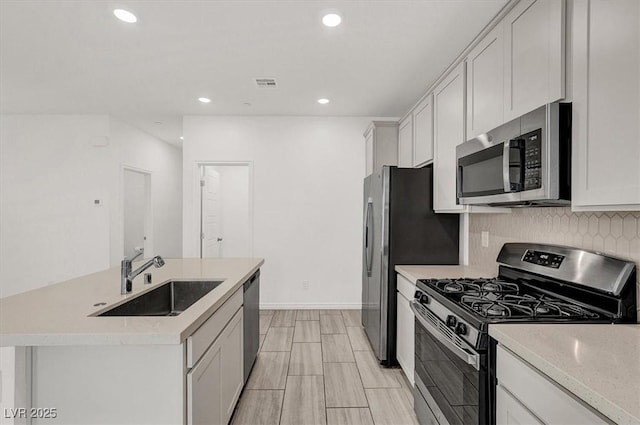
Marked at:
<point>251,322</point>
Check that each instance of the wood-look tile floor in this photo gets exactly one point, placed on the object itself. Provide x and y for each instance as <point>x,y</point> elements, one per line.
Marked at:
<point>315,367</point>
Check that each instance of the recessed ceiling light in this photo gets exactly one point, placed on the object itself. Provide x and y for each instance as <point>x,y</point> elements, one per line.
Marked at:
<point>323,101</point>
<point>204,99</point>
<point>181,137</point>
<point>125,16</point>
<point>331,20</point>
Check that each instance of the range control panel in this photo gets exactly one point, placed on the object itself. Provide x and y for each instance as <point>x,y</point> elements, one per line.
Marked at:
<point>545,259</point>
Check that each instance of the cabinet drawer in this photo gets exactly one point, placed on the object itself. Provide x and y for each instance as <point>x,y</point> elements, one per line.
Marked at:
<point>405,287</point>
<point>546,399</point>
<point>202,338</point>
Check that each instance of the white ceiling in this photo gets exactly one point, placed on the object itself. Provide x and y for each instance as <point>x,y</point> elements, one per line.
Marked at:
<point>64,56</point>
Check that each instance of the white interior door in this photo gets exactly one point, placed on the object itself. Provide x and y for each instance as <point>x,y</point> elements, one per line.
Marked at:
<point>136,210</point>
<point>211,225</point>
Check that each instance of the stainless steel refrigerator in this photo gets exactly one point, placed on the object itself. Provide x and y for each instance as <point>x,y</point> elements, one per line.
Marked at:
<point>400,227</point>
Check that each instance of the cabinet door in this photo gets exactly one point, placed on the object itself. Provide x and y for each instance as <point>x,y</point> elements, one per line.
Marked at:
<point>449,120</point>
<point>606,105</point>
<point>534,55</point>
<point>405,336</point>
<point>485,82</point>
<point>369,155</point>
<point>203,388</point>
<point>405,143</point>
<point>510,411</point>
<point>232,360</point>
<point>423,132</point>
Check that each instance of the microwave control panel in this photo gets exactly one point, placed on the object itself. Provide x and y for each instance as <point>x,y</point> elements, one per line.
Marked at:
<point>532,159</point>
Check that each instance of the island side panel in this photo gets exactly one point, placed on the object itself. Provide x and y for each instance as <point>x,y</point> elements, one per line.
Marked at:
<point>124,384</point>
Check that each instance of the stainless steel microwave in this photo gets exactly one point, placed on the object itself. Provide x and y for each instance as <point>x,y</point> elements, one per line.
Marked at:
<point>526,161</point>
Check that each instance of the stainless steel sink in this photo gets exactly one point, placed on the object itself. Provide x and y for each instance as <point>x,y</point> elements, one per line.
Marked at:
<point>169,299</point>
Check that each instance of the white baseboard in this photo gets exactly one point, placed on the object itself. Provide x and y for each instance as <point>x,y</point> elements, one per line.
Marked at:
<point>281,306</point>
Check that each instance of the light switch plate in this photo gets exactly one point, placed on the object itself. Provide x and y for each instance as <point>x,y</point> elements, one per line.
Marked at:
<point>485,239</point>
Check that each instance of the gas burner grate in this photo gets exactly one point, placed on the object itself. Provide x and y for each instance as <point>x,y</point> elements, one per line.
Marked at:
<point>525,306</point>
<point>467,286</point>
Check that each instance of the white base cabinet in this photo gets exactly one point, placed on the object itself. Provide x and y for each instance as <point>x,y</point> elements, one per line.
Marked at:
<point>215,382</point>
<point>510,411</point>
<point>526,396</point>
<point>231,365</point>
<point>405,325</point>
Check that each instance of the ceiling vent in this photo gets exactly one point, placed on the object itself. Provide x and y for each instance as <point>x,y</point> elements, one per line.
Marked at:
<point>266,83</point>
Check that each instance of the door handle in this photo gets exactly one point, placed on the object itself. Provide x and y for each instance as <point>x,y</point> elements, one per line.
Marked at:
<point>219,239</point>
<point>369,252</point>
<point>509,146</point>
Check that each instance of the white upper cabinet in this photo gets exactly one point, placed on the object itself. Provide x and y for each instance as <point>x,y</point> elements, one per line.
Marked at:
<point>423,132</point>
<point>534,55</point>
<point>381,145</point>
<point>485,82</point>
<point>606,105</point>
<point>368,155</point>
<point>405,142</point>
<point>449,125</point>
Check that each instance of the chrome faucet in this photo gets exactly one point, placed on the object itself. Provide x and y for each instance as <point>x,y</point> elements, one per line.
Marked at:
<point>127,276</point>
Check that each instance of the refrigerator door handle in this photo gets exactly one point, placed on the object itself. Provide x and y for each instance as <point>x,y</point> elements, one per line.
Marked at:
<point>368,239</point>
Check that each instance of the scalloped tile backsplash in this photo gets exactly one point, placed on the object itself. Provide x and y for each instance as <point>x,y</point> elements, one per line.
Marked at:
<point>616,234</point>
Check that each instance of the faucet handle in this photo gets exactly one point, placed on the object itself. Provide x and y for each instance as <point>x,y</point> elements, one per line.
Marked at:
<point>140,252</point>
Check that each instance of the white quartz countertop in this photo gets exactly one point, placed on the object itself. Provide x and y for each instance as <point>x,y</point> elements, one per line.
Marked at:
<point>61,314</point>
<point>413,273</point>
<point>600,364</point>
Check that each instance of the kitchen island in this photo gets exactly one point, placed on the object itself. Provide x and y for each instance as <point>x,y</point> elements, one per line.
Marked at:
<point>180,369</point>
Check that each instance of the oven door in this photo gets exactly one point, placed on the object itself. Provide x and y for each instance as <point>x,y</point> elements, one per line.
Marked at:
<point>449,375</point>
<point>492,174</point>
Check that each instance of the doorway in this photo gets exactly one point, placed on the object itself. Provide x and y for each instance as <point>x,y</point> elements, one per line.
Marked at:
<point>225,210</point>
<point>136,212</point>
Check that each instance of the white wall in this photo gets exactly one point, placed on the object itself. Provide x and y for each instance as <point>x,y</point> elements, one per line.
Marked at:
<point>52,168</point>
<point>50,174</point>
<point>308,176</point>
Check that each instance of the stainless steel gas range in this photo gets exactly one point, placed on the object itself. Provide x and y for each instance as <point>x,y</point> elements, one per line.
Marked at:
<point>454,357</point>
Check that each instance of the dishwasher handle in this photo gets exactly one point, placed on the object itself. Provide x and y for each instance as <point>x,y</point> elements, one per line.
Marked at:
<point>251,281</point>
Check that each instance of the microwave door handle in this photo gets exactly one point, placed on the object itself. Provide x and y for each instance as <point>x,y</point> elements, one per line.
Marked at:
<point>506,177</point>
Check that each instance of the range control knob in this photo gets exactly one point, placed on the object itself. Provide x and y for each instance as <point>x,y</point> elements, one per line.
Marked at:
<point>423,299</point>
<point>417,295</point>
<point>461,329</point>
<point>451,321</point>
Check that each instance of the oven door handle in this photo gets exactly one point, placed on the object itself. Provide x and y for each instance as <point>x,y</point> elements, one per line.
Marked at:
<point>466,354</point>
